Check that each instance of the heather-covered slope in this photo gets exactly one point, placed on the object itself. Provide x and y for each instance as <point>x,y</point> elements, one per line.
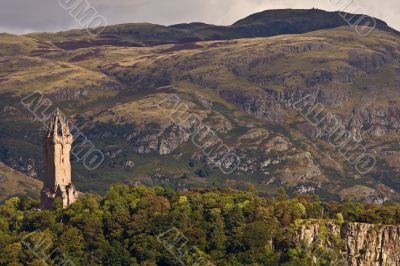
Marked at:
<point>241,89</point>
<point>263,24</point>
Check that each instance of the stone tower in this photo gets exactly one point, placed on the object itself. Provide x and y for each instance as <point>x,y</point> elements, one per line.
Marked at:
<point>57,181</point>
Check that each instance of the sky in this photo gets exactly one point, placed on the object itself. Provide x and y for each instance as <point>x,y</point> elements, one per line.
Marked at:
<point>24,16</point>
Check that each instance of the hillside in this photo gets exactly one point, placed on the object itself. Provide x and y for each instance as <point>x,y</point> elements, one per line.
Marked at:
<point>263,24</point>
<point>13,183</point>
<point>242,89</point>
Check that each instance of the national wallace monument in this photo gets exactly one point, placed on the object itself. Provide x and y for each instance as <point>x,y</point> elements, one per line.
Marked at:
<point>57,181</point>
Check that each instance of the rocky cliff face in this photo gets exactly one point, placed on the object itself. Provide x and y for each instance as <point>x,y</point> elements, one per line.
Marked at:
<point>368,244</point>
<point>360,244</point>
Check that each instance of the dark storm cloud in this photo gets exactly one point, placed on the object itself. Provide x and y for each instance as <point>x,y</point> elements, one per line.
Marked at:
<point>21,16</point>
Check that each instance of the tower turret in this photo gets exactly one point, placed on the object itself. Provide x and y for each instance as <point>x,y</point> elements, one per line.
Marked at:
<point>57,181</point>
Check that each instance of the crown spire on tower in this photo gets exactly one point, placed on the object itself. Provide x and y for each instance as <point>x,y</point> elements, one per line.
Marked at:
<point>58,125</point>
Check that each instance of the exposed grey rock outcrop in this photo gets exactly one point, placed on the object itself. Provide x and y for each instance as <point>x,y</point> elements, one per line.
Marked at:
<point>368,244</point>
<point>363,244</point>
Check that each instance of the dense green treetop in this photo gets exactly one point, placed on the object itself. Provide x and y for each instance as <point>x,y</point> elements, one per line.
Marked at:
<point>130,226</point>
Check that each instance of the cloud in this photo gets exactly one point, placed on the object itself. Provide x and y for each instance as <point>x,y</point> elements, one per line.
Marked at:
<point>21,16</point>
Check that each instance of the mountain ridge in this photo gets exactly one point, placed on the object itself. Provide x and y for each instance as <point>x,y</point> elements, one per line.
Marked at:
<point>239,88</point>
<point>263,24</point>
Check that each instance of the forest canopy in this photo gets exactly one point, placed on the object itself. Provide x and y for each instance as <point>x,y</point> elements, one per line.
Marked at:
<point>137,225</point>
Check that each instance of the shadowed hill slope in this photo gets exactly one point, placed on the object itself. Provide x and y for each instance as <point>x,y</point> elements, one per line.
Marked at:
<point>263,24</point>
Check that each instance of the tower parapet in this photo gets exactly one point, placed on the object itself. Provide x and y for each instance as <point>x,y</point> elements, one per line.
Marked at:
<point>57,181</point>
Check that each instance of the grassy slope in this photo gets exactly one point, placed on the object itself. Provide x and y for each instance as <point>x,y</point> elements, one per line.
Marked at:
<point>263,24</point>
<point>139,69</point>
<point>13,182</point>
